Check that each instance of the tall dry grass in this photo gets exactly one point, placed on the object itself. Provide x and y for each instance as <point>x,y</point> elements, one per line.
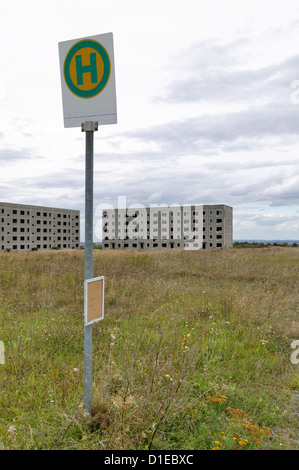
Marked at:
<point>193,352</point>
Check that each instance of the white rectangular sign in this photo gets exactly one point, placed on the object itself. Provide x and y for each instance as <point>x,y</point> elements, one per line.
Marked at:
<point>88,80</point>
<point>94,299</point>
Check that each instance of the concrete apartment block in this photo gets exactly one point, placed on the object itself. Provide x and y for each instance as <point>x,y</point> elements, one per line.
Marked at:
<point>24,227</point>
<point>191,227</point>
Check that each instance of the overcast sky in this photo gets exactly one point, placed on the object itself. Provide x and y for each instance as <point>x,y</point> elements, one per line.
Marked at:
<point>207,103</point>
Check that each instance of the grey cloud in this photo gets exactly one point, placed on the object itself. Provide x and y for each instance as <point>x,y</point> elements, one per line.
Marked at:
<point>266,116</point>
<point>8,156</point>
<point>55,190</point>
<point>71,178</point>
<point>259,226</point>
<point>206,182</point>
<point>203,54</point>
<point>251,129</point>
<point>274,189</point>
<point>213,72</point>
<point>270,220</point>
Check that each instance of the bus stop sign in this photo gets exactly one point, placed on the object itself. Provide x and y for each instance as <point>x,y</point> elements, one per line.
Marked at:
<point>88,80</point>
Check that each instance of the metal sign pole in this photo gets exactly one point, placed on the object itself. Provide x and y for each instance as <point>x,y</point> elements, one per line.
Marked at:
<point>98,100</point>
<point>88,127</point>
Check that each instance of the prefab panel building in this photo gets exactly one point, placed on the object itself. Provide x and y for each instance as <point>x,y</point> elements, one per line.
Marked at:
<point>26,227</point>
<point>191,227</point>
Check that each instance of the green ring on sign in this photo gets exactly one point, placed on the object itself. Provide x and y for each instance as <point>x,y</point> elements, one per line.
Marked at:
<point>107,68</point>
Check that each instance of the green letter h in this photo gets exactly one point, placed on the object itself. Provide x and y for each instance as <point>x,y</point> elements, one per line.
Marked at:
<point>91,68</point>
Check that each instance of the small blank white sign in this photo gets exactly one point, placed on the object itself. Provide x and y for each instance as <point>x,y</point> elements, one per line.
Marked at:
<point>94,299</point>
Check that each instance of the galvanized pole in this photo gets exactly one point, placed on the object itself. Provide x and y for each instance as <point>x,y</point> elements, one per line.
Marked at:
<point>88,127</point>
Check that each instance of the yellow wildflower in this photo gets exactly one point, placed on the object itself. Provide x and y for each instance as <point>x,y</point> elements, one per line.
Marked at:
<point>242,442</point>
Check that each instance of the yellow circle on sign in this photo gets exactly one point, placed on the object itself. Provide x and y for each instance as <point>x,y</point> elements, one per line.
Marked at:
<point>85,59</point>
<point>90,69</point>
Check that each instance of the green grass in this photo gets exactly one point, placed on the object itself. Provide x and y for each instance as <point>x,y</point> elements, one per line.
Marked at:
<point>193,352</point>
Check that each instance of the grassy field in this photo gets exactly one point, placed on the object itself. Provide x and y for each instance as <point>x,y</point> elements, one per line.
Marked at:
<point>194,351</point>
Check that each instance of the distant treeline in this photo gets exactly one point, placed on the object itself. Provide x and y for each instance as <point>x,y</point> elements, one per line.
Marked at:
<point>262,245</point>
